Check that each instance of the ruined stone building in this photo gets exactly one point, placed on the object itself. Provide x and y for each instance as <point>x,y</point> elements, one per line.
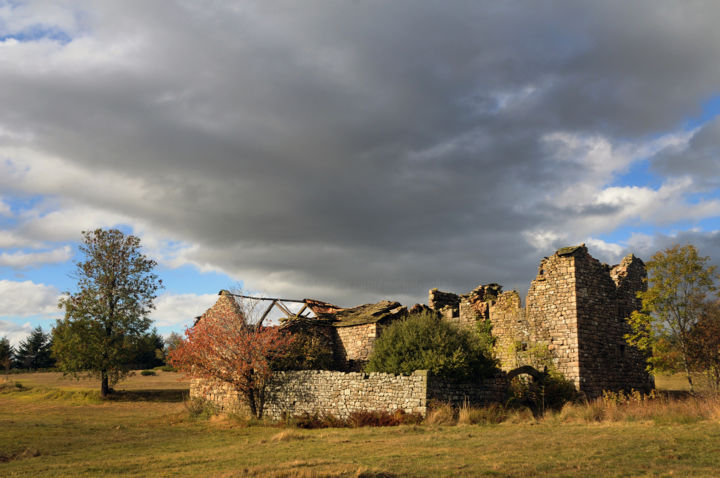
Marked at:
<point>576,310</point>
<point>575,314</point>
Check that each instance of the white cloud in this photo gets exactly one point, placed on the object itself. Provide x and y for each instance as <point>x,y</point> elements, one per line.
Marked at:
<point>25,299</point>
<point>14,332</point>
<point>605,251</point>
<point>4,208</point>
<point>21,259</point>
<point>180,309</point>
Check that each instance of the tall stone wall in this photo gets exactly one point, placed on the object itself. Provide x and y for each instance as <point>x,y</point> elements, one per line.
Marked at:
<point>551,312</point>
<point>340,393</point>
<point>605,298</point>
<point>578,306</point>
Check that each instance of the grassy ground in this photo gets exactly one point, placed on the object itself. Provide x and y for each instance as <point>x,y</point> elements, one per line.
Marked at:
<point>160,381</point>
<point>679,383</point>
<point>49,430</point>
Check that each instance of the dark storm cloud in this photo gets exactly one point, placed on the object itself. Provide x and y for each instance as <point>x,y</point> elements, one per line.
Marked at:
<point>359,149</point>
<point>700,158</point>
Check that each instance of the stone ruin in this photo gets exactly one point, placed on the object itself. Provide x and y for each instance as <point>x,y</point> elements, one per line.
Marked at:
<point>575,314</point>
<point>576,309</point>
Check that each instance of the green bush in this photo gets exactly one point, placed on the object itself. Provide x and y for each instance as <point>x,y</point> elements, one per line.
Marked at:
<point>424,342</point>
<point>145,373</point>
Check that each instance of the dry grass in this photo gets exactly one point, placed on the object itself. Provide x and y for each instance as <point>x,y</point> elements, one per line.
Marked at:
<point>70,436</point>
<point>160,381</point>
<point>288,435</point>
<point>661,410</point>
<point>490,415</point>
<point>441,414</point>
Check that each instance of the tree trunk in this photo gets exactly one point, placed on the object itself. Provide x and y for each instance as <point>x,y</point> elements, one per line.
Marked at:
<point>260,402</point>
<point>689,377</point>
<point>250,397</point>
<point>105,385</point>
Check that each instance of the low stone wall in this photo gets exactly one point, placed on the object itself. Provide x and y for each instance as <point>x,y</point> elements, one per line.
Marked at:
<point>340,393</point>
<point>457,394</point>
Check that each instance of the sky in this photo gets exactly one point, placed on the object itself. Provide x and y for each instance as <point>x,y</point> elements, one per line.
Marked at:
<point>350,150</point>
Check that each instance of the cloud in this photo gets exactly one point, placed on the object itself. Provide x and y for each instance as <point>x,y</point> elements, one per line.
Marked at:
<point>699,157</point>
<point>14,332</point>
<point>180,309</point>
<point>19,259</point>
<point>359,150</point>
<point>4,208</point>
<point>25,299</point>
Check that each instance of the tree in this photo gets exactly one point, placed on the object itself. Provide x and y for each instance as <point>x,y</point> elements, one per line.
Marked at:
<point>679,282</point>
<point>109,312</point>
<point>705,343</point>
<point>171,342</point>
<point>6,354</point>
<point>223,346</point>
<point>425,342</point>
<point>34,352</point>
<point>148,351</point>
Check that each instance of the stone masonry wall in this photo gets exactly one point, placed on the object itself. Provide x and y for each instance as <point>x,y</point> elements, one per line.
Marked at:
<point>354,345</point>
<point>340,393</point>
<point>605,298</point>
<point>509,328</point>
<point>457,394</point>
<point>551,312</point>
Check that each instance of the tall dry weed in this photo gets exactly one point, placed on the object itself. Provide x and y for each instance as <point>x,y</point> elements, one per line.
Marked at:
<point>637,407</point>
<point>489,415</point>
<point>441,414</point>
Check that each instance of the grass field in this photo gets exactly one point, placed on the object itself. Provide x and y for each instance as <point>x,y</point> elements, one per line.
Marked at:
<point>56,427</point>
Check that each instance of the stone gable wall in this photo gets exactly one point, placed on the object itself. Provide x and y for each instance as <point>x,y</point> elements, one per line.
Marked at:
<point>354,345</point>
<point>342,393</point>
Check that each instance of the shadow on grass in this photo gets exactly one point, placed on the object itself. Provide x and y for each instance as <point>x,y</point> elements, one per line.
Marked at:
<point>149,395</point>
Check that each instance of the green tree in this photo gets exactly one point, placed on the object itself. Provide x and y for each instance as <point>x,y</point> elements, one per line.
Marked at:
<point>6,354</point>
<point>148,351</point>
<point>34,352</point>
<point>108,314</point>
<point>425,342</point>
<point>679,282</point>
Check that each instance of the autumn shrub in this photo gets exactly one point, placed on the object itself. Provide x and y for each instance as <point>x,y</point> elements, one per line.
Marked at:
<point>423,341</point>
<point>358,419</point>
<point>223,347</point>
<point>382,419</point>
<point>314,420</point>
